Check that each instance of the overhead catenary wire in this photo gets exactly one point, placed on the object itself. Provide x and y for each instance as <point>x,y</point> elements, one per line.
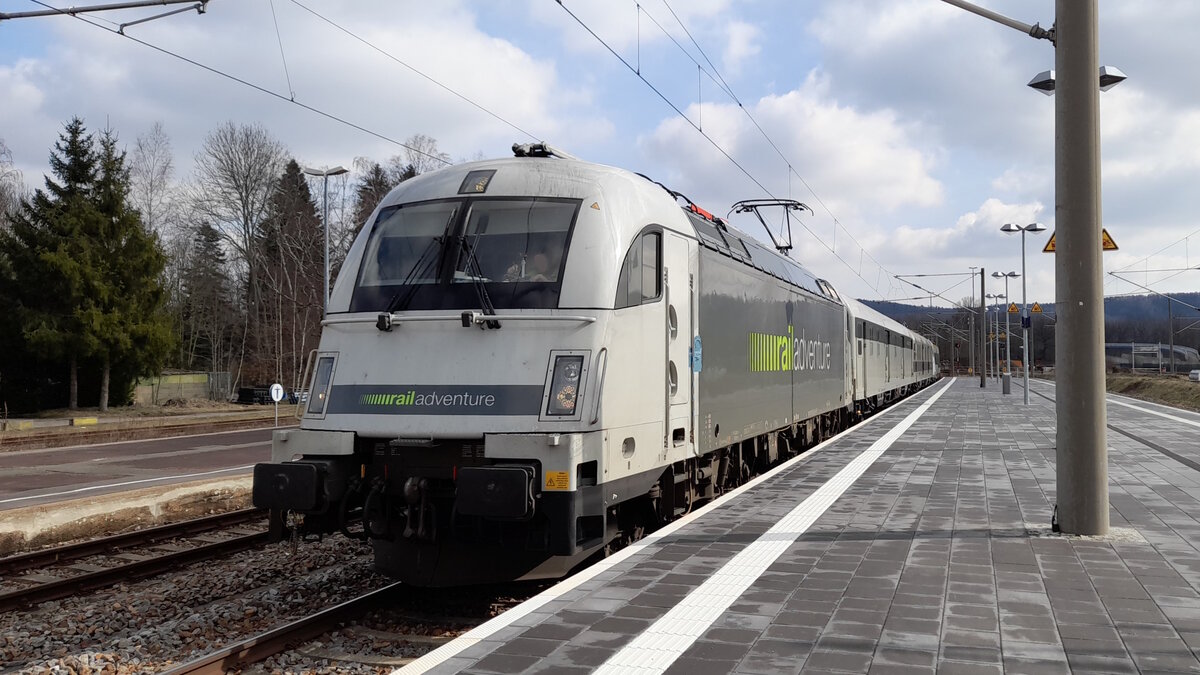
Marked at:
<point>256,87</point>
<point>282,57</point>
<point>718,146</point>
<point>413,69</point>
<point>790,165</point>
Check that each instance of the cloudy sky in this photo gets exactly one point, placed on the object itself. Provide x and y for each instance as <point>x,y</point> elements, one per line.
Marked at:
<point>906,124</point>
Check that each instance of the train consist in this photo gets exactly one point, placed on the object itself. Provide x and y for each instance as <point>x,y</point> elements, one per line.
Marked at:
<point>533,360</point>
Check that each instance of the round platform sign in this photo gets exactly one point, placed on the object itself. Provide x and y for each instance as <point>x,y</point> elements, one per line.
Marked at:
<point>277,392</point>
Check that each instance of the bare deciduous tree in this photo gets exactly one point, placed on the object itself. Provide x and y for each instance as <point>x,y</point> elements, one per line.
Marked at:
<point>422,155</point>
<point>12,187</point>
<point>151,170</point>
<point>235,177</point>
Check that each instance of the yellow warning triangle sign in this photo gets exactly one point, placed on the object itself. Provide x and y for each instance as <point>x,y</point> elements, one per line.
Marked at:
<point>1036,309</point>
<point>1013,309</point>
<point>1106,242</point>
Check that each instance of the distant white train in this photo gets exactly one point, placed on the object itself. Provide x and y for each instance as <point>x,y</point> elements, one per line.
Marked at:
<point>532,360</point>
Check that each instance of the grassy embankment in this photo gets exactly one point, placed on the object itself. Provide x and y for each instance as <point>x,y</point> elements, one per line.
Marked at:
<point>1174,390</point>
<point>1170,390</point>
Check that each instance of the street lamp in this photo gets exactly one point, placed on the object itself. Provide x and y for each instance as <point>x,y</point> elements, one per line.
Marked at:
<point>1081,437</point>
<point>1110,76</point>
<point>325,174</point>
<point>974,368</point>
<point>1032,227</point>
<point>1007,349</point>
<point>996,333</point>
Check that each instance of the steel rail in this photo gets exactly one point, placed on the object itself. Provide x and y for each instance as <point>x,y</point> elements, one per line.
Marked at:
<point>108,545</point>
<point>137,569</point>
<point>277,640</point>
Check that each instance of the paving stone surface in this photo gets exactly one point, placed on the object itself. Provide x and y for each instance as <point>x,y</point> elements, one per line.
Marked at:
<point>939,558</point>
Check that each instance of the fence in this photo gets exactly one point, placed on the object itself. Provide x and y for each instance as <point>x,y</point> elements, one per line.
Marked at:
<point>158,390</point>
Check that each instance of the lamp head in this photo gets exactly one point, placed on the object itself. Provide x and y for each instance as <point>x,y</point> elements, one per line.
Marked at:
<point>1035,227</point>
<point>1010,227</point>
<point>1043,82</point>
<point>1110,76</point>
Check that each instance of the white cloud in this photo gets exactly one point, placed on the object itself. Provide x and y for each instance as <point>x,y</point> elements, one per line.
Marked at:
<point>741,44</point>
<point>108,79</point>
<point>858,162</point>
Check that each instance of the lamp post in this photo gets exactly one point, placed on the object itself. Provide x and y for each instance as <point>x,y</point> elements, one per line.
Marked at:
<point>996,335</point>
<point>1007,349</point>
<point>1081,438</point>
<point>325,174</point>
<point>971,319</point>
<point>1032,227</point>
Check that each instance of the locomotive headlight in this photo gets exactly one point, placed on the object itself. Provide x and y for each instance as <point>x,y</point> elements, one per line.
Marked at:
<point>564,385</point>
<point>319,392</point>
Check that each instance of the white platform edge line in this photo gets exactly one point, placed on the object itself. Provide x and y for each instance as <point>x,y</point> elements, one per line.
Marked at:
<point>650,649</point>
<point>1155,412</point>
<point>93,488</point>
<point>479,633</point>
<point>1114,398</point>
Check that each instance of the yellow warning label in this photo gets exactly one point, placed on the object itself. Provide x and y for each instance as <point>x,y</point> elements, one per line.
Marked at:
<point>1036,309</point>
<point>558,480</point>
<point>1013,309</point>
<point>1106,242</point>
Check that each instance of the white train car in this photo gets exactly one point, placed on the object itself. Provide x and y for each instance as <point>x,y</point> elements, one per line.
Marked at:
<point>529,361</point>
<point>889,360</point>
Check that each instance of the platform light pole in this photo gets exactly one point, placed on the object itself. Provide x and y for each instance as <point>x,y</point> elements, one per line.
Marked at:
<point>971,320</point>
<point>1007,333</point>
<point>325,174</point>
<point>1025,321</point>
<point>996,334</point>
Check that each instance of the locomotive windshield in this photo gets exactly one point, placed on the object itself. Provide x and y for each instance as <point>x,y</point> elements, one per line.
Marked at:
<point>452,254</point>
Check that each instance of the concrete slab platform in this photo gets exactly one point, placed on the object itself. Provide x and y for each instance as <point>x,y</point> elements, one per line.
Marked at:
<point>918,542</point>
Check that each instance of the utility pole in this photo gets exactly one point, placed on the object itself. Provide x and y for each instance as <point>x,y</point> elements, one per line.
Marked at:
<point>982,328</point>
<point>1171,333</point>
<point>1082,461</point>
<point>1081,465</point>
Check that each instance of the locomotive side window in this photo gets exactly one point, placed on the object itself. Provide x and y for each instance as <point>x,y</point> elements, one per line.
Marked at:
<point>640,280</point>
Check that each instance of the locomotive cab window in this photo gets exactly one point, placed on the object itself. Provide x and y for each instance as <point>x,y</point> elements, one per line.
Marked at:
<point>640,280</point>
<point>450,254</point>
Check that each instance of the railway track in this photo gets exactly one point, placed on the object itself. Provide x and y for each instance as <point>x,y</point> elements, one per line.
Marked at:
<point>411,621</point>
<point>277,640</point>
<point>158,550</point>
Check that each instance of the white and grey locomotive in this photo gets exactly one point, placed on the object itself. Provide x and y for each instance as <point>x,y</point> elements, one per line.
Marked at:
<point>531,360</point>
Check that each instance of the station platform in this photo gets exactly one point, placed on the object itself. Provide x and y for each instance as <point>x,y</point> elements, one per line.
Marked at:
<point>52,495</point>
<point>917,542</point>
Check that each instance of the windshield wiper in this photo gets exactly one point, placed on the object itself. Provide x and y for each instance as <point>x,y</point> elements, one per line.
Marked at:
<point>404,295</point>
<point>475,271</point>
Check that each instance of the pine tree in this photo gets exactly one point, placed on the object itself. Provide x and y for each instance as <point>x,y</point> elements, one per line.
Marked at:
<point>208,297</point>
<point>123,312</point>
<point>49,259</point>
<point>292,264</point>
<point>370,190</point>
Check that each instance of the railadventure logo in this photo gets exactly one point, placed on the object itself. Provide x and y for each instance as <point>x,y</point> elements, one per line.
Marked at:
<point>770,353</point>
<point>449,399</point>
<point>412,398</point>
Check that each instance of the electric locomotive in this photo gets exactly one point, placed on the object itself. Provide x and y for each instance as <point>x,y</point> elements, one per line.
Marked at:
<point>533,360</point>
